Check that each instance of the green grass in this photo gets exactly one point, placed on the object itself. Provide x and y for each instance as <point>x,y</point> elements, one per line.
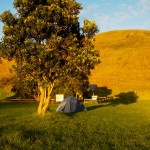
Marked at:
<point>104,126</point>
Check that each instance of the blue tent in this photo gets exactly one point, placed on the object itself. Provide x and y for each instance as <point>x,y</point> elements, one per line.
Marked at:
<point>71,104</point>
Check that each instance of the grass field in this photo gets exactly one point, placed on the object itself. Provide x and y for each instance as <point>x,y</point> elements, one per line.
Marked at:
<point>104,126</point>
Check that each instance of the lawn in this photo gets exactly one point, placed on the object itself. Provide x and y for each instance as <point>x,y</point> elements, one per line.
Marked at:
<point>103,126</point>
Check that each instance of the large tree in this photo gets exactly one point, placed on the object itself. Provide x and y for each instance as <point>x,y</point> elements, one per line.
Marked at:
<point>46,41</point>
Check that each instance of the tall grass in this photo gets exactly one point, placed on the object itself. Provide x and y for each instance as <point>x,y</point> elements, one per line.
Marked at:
<point>103,126</point>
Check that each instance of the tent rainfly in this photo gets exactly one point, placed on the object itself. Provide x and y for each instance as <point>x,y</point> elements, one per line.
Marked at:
<point>71,104</point>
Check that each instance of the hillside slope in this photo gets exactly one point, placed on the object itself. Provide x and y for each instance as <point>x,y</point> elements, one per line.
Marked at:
<point>125,61</point>
<point>6,78</point>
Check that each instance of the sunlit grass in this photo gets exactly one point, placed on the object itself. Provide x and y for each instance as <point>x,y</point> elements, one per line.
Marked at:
<point>103,126</point>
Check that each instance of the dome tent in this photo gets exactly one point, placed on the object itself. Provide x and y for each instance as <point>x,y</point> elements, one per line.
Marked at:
<point>71,104</point>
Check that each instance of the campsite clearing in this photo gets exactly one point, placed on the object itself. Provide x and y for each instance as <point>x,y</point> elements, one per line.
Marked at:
<point>103,126</point>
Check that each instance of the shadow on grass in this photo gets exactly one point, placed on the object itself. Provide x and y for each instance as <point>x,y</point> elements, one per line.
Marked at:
<point>94,107</point>
<point>122,98</point>
<point>33,135</point>
<point>125,98</point>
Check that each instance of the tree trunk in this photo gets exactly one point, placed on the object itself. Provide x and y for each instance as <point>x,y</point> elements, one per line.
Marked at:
<point>44,98</point>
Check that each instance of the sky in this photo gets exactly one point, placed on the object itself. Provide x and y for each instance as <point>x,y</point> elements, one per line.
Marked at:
<point>108,14</point>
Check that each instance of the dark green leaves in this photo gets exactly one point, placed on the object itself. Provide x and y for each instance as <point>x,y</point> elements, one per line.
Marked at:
<point>47,42</point>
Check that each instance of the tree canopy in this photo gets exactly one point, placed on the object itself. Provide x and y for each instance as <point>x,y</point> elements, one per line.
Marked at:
<point>45,39</point>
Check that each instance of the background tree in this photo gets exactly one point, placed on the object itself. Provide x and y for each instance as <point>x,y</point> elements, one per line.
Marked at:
<point>25,88</point>
<point>46,41</point>
<point>103,91</point>
<point>72,86</point>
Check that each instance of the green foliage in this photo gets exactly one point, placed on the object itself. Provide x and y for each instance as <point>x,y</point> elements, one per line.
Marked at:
<point>47,43</point>
<point>4,94</point>
<point>25,89</point>
<point>71,87</point>
<point>99,91</point>
<point>89,28</point>
<point>101,127</point>
<point>103,91</point>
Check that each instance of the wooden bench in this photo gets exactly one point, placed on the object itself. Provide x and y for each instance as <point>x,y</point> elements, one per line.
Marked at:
<point>104,99</point>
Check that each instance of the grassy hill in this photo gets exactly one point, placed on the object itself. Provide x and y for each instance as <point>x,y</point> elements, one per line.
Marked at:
<point>125,61</point>
<point>6,78</point>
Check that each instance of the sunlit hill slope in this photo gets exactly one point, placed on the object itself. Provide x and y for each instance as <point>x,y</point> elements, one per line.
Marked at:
<point>125,61</point>
<point>6,78</point>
